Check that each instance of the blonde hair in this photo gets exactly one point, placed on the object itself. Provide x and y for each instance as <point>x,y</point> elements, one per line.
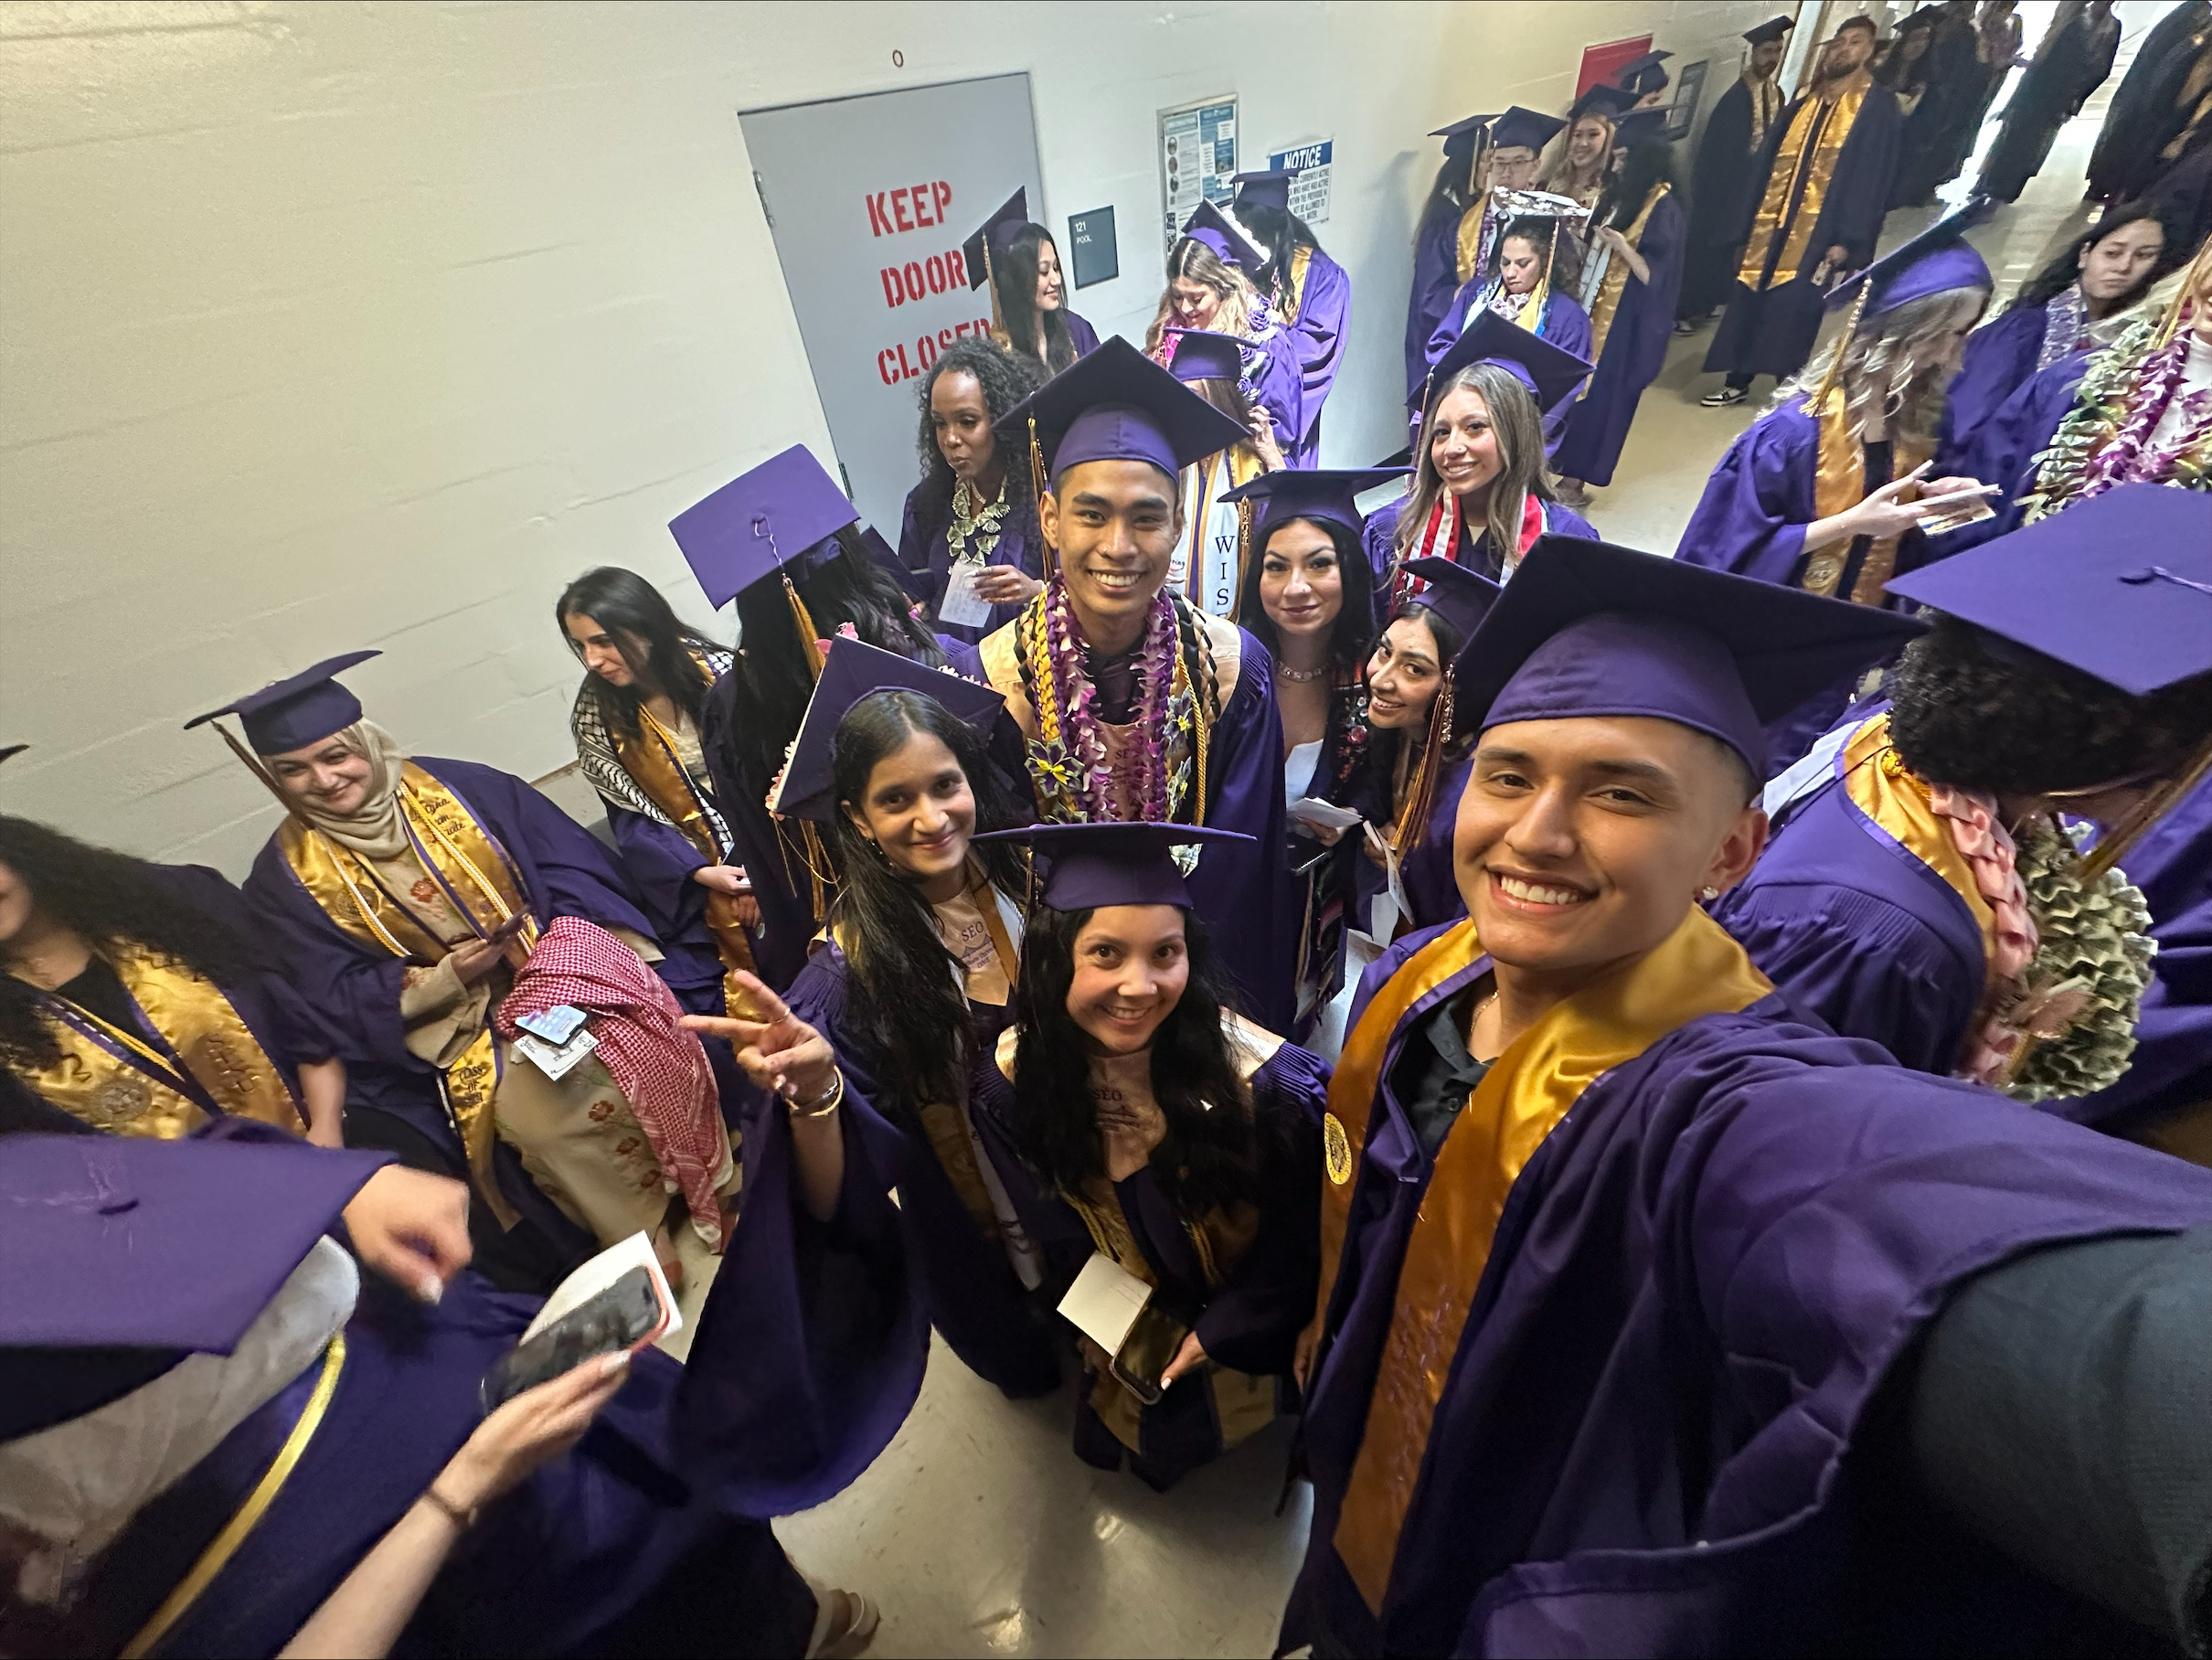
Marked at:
<point>1517,427</point>
<point>1558,172</point>
<point>1895,365</point>
<point>1195,262</point>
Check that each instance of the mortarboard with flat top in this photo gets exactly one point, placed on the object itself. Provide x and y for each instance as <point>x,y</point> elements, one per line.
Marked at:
<point>1548,372</point>
<point>124,1255</point>
<point>1587,629</point>
<point>1270,188</point>
<point>1938,259</point>
<point>1773,28</point>
<point>1605,99</point>
<point>1205,354</point>
<point>1525,128</point>
<point>1642,76</point>
<point>852,670</point>
<point>1640,127</point>
<point>2118,586</point>
<point>290,714</point>
<point>997,232</point>
<point>1216,230</point>
<point>1466,137</point>
<point>1461,596</point>
<point>1116,404</point>
<point>1110,864</point>
<point>760,522</point>
<point>1316,494</point>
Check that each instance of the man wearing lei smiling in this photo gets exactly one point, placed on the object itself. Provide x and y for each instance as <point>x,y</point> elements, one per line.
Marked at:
<point>1135,705</point>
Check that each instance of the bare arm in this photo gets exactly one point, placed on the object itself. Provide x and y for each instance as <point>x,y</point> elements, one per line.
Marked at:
<point>322,1094</point>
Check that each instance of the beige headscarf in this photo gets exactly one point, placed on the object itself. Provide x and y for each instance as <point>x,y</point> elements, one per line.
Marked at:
<point>374,830</point>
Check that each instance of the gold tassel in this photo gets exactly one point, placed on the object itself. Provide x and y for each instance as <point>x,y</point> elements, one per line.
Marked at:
<point>254,766</point>
<point>810,644</point>
<point>998,323</point>
<point>2153,806</point>
<point>1037,483</point>
<point>1244,551</point>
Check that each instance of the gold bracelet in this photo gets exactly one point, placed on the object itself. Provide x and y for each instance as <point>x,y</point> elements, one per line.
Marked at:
<point>461,1519</point>
<point>824,1104</point>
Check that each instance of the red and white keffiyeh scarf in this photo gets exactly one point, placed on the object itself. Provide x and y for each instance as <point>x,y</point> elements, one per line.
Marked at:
<point>657,1064</point>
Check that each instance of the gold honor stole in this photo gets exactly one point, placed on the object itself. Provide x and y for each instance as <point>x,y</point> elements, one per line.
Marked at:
<point>1809,152</point>
<point>655,766</point>
<point>1606,302</point>
<point>479,882</point>
<point>1888,793</point>
<point>1474,243</point>
<point>1697,970</point>
<point>115,1080</point>
<point>1839,483</point>
<point>1300,258</point>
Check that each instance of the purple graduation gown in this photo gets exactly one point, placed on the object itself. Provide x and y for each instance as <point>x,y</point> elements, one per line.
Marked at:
<point>1316,340</point>
<point>352,989</point>
<point>1771,332</point>
<point>1635,350</point>
<point>1241,891</point>
<point>1699,1282</point>
<point>2003,450</point>
<point>1380,533</point>
<point>651,1534</point>
<point>924,552</point>
<point>1566,325</point>
<point>974,1299</point>
<point>1250,1321</point>
<point>659,860</point>
<point>1086,337</point>
<point>2000,358</point>
<point>1436,278</point>
<point>2172,1068</point>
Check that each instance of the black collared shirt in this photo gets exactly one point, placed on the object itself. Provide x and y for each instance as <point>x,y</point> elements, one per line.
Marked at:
<point>1435,1075</point>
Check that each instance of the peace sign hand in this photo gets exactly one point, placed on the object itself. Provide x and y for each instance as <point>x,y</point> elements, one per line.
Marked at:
<point>781,1052</point>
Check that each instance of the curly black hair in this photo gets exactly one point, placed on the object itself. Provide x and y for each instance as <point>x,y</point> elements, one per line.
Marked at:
<point>1005,382</point>
<point>1978,713</point>
<point>110,899</point>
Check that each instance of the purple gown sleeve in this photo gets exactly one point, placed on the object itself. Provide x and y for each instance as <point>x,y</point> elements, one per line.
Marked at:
<point>1426,872</point>
<point>914,572</point>
<point>1252,1321</point>
<point>1276,381</point>
<point>2004,451</point>
<point>354,996</point>
<point>2000,358</point>
<point>660,859</point>
<point>1317,339</point>
<point>1450,326</point>
<point>1752,517</point>
<point>1086,339</point>
<point>1567,326</point>
<point>1436,254</point>
<point>1239,890</point>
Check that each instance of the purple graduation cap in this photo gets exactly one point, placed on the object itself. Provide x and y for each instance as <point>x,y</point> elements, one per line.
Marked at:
<point>1331,496</point>
<point>1643,76</point>
<point>760,522</point>
<point>1118,405</point>
<point>1464,138</point>
<point>1461,596</point>
<point>1525,129</point>
<point>2118,586</point>
<point>1773,28</point>
<point>853,670</point>
<point>1605,99</point>
<point>1548,372</point>
<point>1268,188</point>
<point>996,233</point>
<point>1936,260</point>
<point>287,715</point>
<point>1107,864</point>
<point>126,1255</point>
<point>1588,629</point>
<point>1202,354</point>
<point>1210,225</point>
<point>1640,127</point>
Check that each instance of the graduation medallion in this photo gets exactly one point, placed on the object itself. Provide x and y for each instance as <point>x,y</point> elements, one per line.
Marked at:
<point>1335,1149</point>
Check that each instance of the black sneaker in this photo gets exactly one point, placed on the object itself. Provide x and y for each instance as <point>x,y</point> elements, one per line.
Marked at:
<point>1728,396</point>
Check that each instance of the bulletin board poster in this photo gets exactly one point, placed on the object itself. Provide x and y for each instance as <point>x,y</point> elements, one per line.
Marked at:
<point>1311,165</point>
<point>1198,158</point>
<point>1603,62</point>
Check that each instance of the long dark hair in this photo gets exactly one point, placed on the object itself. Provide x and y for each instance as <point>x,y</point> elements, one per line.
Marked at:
<point>634,612</point>
<point>110,899</point>
<point>1013,275</point>
<point>1644,169</point>
<point>1284,233</point>
<point>1383,745</point>
<point>2066,265</point>
<point>904,997</point>
<point>773,680</point>
<point>1208,1158</point>
<point>1006,380</point>
<point>1354,633</point>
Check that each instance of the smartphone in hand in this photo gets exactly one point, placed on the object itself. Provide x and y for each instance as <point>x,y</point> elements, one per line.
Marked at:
<point>628,1315</point>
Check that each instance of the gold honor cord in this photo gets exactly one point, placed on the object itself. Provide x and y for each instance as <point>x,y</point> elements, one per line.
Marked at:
<point>2146,813</point>
<point>217,1557</point>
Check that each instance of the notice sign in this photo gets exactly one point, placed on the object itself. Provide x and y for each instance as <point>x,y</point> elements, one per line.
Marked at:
<point>1309,189</point>
<point>1198,158</point>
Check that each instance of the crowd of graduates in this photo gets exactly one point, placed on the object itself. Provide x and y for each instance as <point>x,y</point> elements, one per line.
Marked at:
<point>1689,1078</point>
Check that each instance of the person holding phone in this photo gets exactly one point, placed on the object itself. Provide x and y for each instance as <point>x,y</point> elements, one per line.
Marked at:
<point>1165,1132</point>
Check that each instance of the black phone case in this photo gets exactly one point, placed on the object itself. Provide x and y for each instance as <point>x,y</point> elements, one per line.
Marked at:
<point>620,1317</point>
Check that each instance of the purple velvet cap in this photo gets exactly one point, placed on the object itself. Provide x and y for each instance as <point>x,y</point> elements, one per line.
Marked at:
<point>1095,865</point>
<point>851,671</point>
<point>1773,28</point>
<point>2118,586</point>
<point>1548,372</point>
<point>1528,129</point>
<point>1202,354</point>
<point>1116,404</point>
<point>1268,188</point>
<point>1639,127</point>
<point>1002,227</point>
<point>1934,262</point>
<point>1210,225</point>
<point>1605,99</point>
<point>1461,596</point>
<point>1461,137</point>
<point>1643,74</point>
<point>1329,493</point>
<point>1588,629</point>
<point>287,715</point>
<point>760,522</point>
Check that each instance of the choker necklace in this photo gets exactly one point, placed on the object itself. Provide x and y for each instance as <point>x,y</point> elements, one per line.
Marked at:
<point>1299,676</point>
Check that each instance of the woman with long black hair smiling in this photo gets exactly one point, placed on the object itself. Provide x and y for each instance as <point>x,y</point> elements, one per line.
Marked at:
<point>1033,301</point>
<point>969,538</point>
<point>1168,1137</point>
<point>916,981</point>
<point>637,724</point>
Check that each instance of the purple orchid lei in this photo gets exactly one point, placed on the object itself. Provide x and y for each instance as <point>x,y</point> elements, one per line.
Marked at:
<point>1099,779</point>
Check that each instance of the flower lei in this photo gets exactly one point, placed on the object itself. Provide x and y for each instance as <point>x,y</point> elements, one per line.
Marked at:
<point>2105,437</point>
<point>1077,778</point>
<point>2096,935</point>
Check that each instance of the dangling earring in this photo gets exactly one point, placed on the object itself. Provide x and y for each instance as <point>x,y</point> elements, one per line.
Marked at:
<point>1708,893</point>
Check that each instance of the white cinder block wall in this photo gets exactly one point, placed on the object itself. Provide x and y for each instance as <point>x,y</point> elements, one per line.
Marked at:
<point>326,325</point>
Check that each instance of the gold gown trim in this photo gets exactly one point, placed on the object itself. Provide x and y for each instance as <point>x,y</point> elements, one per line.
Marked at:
<point>1810,149</point>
